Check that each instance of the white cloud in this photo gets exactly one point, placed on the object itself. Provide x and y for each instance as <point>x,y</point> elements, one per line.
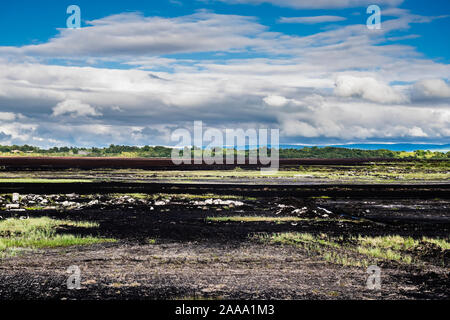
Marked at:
<point>431,88</point>
<point>417,132</point>
<point>74,108</point>
<point>311,20</point>
<point>7,116</point>
<point>319,4</point>
<point>276,101</point>
<point>367,88</point>
<point>131,34</point>
<point>296,78</point>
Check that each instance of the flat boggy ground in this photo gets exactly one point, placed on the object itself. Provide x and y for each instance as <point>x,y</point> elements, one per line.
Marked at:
<point>172,248</point>
<point>206,270</point>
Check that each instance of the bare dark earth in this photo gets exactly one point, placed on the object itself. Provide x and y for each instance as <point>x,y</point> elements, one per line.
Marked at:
<point>192,258</point>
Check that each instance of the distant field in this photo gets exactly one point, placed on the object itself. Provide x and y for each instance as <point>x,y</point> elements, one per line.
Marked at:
<point>381,172</point>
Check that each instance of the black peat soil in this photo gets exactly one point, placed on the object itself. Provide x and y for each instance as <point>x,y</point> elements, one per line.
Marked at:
<point>192,258</point>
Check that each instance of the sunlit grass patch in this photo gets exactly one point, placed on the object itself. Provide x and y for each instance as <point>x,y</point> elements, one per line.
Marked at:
<point>34,208</point>
<point>383,253</point>
<point>299,238</point>
<point>443,244</point>
<point>346,251</point>
<point>389,242</point>
<point>321,245</point>
<point>35,233</point>
<point>38,226</point>
<point>136,195</point>
<point>344,259</point>
<point>38,180</point>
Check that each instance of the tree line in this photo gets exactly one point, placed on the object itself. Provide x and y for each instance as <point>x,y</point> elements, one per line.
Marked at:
<point>165,152</point>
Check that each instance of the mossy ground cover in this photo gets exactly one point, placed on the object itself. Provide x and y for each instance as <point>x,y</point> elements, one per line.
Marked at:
<point>357,251</point>
<point>44,232</point>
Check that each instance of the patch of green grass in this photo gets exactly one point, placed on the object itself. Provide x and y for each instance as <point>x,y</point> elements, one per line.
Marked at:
<point>38,226</point>
<point>151,241</point>
<point>37,180</point>
<point>33,208</point>
<point>34,233</point>
<point>389,242</point>
<point>443,244</point>
<point>372,249</point>
<point>321,245</point>
<point>343,259</point>
<point>383,253</point>
<point>294,238</point>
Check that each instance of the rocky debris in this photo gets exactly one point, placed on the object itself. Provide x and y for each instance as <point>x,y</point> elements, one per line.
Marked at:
<point>15,197</point>
<point>327,212</point>
<point>218,202</point>
<point>304,208</point>
<point>161,202</point>
<point>93,203</point>
<point>300,211</point>
<point>10,206</point>
<point>72,201</point>
<point>124,200</point>
<point>70,204</point>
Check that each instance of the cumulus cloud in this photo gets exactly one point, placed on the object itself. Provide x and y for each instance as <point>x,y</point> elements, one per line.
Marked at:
<point>311,20</point>
<point>74,108</point>
<point>131,34</point>
<point>431,88</point>
<point>7,116</point>
<point>318,4</point>
<point>417,132</point>
<point>367,88</point>
<point>325,86</point>
<point>359,120</point>
<point>276,101</point>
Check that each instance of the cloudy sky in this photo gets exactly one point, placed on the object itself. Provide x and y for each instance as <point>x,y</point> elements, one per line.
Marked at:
<point>138,70</point>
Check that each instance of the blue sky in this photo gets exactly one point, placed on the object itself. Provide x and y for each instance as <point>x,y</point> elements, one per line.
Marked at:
<point>37,21</point>
<point>137,70</point>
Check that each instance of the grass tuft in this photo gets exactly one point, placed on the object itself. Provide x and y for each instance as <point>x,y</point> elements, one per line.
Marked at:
<point>35,233</point>
<point>356,251</point>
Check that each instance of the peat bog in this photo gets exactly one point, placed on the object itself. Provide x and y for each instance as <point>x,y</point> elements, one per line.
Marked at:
<point>233,245</point>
